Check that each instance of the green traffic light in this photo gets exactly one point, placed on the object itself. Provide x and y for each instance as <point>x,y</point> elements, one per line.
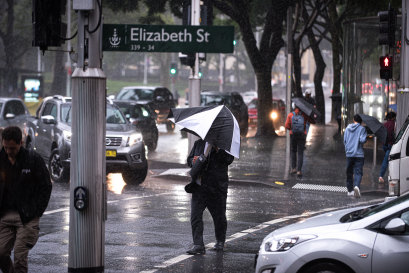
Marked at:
<point>234,42</point>
<point>173,71</point>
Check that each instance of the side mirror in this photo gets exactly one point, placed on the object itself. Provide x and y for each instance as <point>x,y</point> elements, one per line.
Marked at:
<point>396,225</point>
<point>111,97</point>
<point>10,116</point>
<point>48,119</point>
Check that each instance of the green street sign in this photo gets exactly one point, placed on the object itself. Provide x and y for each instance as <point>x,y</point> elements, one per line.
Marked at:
<point>168,38</point>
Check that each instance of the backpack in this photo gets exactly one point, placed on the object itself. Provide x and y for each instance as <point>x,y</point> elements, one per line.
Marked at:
<point>297,122</point>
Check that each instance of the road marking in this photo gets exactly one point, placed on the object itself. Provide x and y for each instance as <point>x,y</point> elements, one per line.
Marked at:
<point>257,228</point>
<point>315,187</point>
<point>109,202</point>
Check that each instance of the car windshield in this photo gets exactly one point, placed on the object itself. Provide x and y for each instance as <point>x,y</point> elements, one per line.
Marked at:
<point>135,94</point>
<point>114,115</point>
<point>252,104</point>
<point>214,99</point>
<point>366,212</point>
<point>136,111</point>
<point>402,130</point>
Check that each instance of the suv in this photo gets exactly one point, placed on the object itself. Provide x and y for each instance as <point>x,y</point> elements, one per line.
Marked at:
<point>125,150</point>
<point>143,117</point>
<point>159,98</point>
<point>233,101</point>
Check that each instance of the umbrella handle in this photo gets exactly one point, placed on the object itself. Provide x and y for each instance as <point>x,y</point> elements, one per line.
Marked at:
<point>208,149</point>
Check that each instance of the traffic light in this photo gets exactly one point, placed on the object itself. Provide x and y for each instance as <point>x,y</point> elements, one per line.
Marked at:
<point>47,26</point>
<point>206,13</point>
<point>387,27</point>
<point>173,71</point>
<point>187,59</point>
<point>386,65</point>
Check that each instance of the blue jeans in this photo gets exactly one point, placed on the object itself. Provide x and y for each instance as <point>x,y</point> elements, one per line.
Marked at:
<point>387,150</point>
<point>354,172</point>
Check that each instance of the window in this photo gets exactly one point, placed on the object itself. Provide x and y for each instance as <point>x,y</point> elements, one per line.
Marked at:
<point>15,108</point>
<point>136,94</point>
<point>50,109</point>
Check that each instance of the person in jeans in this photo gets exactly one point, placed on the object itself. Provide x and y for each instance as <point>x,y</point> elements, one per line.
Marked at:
<point>296,123</point>
<point>390,137</point>
<point>25,189</point>
<point>354,139</point>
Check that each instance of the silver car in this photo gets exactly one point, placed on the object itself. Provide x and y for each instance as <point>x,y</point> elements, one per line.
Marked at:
<point>372,239</point>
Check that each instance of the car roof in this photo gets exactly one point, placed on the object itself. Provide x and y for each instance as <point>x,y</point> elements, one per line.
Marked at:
<point>142,87</point>
<point>131,102</point>
<point>4,99</point>
<point>211,92</point>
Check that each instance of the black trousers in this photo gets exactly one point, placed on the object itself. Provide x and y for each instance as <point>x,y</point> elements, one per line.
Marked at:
<point>216,204</point>
<point>297,143</point>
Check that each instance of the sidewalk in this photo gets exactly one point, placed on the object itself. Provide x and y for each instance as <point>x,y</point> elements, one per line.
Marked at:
<point>262,160</point>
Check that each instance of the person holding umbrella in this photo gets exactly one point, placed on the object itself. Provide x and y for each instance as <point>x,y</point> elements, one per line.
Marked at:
<point>211,194</point>
<point>354,139</point>
<point>296,123</point>
<point>390,137</point>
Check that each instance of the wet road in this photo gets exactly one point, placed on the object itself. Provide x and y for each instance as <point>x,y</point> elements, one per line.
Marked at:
<point>148,227</point>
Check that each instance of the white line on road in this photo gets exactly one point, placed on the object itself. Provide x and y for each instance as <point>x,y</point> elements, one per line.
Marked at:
<point>110,202</point>
<point>252,230</point>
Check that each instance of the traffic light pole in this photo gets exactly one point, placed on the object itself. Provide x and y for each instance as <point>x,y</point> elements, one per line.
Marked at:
<point>88,171</point>
<point>194,79</point>
<point>402,99</point>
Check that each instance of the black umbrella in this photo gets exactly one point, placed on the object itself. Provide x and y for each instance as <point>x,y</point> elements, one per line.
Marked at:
<point>306,107</point>
<point>214,124</point>
<point>375,126</point>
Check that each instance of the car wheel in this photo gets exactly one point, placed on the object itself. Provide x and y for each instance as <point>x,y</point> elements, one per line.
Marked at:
<point>154,143</point>
<point>170,126</point>
<point>327,267</point>
<point>135,177</point>
<point>57,171</point>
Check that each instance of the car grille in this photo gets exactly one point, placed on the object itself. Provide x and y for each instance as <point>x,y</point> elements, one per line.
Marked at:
<point>113,141</point>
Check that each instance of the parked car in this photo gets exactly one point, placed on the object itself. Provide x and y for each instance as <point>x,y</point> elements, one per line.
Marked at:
<point>143,118</point>
<point>355,240</point>
<point>159,98</point>
<point>124,146</point>
<point>248,96</point>
<point>277,114</point>
<point>13,112</point>
<point>233,101</point>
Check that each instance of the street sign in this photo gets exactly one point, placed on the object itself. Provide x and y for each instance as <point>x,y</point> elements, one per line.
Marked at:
<point>168,38</point>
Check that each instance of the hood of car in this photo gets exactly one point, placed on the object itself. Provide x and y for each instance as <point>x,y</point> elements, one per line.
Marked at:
<point>317,224</point>
<point>119,128</point>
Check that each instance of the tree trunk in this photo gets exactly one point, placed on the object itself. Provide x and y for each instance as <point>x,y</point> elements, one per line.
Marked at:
<point>297,70</point>
<point>59,84</point>
<point>319,72</point>
<point>265,99</point>
<point>10,77</point>
<point>335,30</point>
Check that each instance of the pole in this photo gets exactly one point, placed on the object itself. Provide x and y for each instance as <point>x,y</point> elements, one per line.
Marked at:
<point>145,68</point>
<point>289,84</point>
<point>221,74</point>
<point>68,63</point>
<point>194,79</point>
<point>402,98</point>
<point>88,171</point>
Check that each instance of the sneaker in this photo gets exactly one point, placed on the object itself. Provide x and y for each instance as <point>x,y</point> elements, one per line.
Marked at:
<point>381,180</point>
<point>293,171</point>
<point>357,192</point>
<point>299,174</point>
<point>350,193</point>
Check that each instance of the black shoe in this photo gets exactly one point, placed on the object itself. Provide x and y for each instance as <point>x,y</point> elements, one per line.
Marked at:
<point>196,249</point>
<point>219,246</point>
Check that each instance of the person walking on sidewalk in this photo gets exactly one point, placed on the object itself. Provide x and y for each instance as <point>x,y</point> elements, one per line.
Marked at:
<point>296,123</point>
<point>25,189</point>
<point>390,137</point>
<point>354,139</point>
<point>212,194</point>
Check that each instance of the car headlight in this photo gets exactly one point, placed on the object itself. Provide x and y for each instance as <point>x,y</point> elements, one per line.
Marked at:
<point>67,135</point>
<point>134,138</point>
<point>273,115</point>
<point>283,244</point>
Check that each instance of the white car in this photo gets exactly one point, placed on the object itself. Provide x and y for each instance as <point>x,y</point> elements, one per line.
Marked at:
<point>249,96</point>
<point>371,239</point>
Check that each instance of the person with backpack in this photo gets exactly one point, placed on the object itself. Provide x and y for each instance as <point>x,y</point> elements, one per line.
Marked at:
<point>296,123</point>
<point>390,138</point>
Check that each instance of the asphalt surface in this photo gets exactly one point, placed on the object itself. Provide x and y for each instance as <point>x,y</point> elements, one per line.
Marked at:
<point>148,226</point>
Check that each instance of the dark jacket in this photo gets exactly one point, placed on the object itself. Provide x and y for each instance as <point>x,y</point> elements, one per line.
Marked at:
<point>214,175</point>
<point>33,186</point>
<point>390,129</point>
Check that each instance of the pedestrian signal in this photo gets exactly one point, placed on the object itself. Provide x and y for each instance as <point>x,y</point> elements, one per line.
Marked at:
<point>386,65</point>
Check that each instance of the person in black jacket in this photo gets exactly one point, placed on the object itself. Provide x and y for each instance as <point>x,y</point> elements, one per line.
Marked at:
<point>25,189</point>
<point>212,194</point>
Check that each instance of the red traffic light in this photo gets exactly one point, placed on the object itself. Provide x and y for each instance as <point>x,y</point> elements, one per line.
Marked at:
<point>385,61</point>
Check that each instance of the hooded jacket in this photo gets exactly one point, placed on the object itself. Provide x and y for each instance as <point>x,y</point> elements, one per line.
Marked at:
<point>354,139</point>
<point>32,186</point>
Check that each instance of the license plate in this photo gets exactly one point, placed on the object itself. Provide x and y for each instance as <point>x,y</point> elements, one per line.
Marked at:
<point>110,153</point>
